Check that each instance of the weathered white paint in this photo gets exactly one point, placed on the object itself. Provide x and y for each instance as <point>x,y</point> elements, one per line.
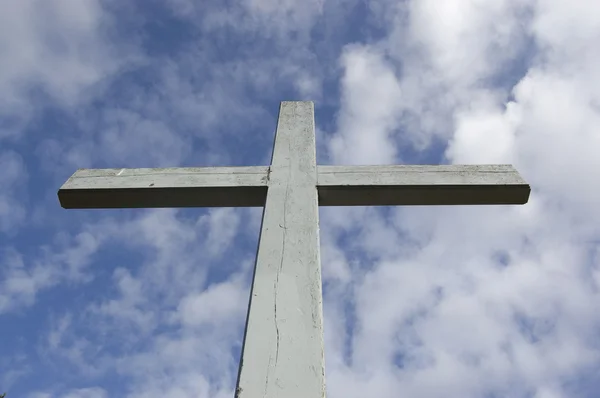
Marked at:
<point>283,344</point>
<point>166,187</point>
<point>421,185</point>
<point>283,348</point>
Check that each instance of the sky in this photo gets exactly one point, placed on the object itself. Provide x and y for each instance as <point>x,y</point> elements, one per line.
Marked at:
<point>465,301</point>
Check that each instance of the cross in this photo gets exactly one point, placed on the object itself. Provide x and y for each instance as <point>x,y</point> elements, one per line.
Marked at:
<point>283,353</point>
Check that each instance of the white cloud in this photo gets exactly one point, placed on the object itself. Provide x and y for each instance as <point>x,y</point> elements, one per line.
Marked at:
<point>445,308</point>
<point>449,55</point>
<point>222,226</point>
<point>223,303</point>
<point>267,18</point>
<point>485,135</point>
<point>58,46</point>
<point>370,109</point>
<point>130,307</point>
<point>285,17</point>
<point>182,330</point>
<point>467,40</point>
<point>455,316</point>
<point>12,179</point>
<point>24,276</point>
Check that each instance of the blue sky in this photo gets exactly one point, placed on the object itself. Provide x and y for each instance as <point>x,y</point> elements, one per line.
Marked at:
<point>462,301</point>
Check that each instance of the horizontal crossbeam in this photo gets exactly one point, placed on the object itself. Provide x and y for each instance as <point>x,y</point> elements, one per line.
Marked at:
<point>399,185</point>
<point>337,186</point>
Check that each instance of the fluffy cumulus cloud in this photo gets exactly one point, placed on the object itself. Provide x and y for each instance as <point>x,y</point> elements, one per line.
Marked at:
<point>370,109</point>
<point>53,49</point>
<point>483,302</point>
<point>497,301</point>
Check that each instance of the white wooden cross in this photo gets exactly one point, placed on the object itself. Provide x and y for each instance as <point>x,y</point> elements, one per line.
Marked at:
<point>283,355</point>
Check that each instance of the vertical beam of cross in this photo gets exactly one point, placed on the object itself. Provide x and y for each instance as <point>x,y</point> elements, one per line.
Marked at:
<point>283,347</point>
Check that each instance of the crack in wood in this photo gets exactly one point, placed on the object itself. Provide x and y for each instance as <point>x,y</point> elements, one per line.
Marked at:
<point>267,378</point>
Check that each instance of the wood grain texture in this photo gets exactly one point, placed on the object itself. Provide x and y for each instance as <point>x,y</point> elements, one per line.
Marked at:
<point>421,185</point>
<point>283,347</point>
<point>165,187</point>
